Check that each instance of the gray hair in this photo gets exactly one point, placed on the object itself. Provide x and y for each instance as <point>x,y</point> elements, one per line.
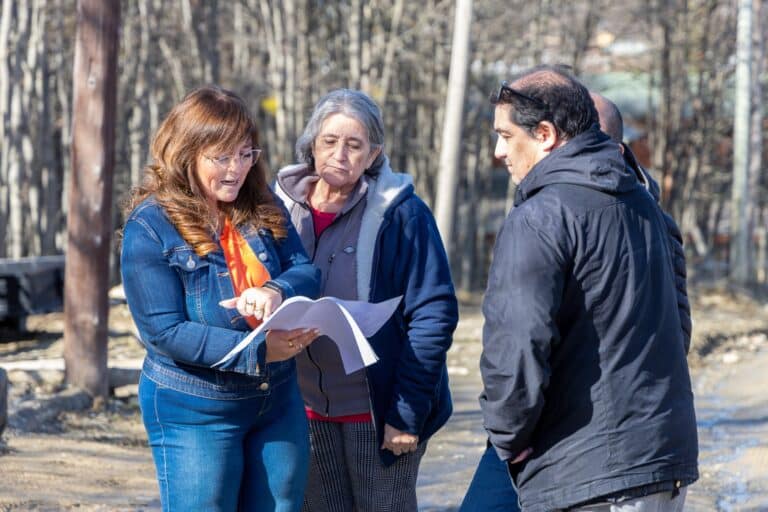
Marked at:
<point>352,103</point>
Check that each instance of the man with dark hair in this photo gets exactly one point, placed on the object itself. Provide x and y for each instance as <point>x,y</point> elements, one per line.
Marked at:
<point>586,393</point>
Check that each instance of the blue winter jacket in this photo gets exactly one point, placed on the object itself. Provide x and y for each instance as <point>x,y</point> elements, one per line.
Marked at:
<point>174,295</point>
<point>584,357</point>
<point>400,252</point>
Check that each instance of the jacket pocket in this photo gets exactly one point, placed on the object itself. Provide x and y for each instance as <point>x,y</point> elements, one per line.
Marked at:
<point>193,270</point>
<point>266,250</point>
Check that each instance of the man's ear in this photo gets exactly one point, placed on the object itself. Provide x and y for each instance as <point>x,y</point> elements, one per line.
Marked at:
<point>546,134</point>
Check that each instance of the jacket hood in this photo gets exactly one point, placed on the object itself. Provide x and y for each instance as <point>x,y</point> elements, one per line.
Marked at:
<point>591,159</point>
<point>295,181</point>
<point>385,190</point>
<point>643,176</point>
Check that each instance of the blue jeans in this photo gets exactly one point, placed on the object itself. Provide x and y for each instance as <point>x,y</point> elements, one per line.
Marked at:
<point>226,455</point>
<point>491,489</point>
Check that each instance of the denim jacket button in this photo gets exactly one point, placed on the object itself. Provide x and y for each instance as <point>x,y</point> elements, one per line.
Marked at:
<point>264,386</point>
<point>263,256</point>
<point>191,263</point>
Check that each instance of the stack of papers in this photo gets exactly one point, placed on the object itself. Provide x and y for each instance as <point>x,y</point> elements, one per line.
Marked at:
<point>347,322</point>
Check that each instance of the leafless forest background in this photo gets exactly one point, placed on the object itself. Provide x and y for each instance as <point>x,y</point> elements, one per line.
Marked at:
<point>670,65</point>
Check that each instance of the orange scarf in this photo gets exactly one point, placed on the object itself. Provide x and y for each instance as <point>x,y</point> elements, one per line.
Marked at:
<point>245,269</point>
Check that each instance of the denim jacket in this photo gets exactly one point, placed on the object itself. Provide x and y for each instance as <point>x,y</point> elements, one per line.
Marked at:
<point>174,295</point>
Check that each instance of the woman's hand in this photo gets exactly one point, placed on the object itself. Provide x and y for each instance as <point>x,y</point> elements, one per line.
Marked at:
<point>256,302</point>
<point>282,345</point>
<point>397,441</point>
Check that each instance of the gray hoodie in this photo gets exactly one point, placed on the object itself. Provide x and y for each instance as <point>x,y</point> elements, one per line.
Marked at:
<point>326,388</point>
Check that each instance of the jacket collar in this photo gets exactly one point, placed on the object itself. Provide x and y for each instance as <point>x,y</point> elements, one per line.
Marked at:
<point>590,159</point>
<point>297,180</point>
<point>385,190</point>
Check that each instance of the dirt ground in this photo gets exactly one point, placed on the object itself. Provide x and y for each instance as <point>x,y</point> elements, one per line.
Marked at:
<point>58,453</point>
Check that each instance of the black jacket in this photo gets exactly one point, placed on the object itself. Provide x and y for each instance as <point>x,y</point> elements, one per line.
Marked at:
<point>675,244</point>
<point>584,357</point>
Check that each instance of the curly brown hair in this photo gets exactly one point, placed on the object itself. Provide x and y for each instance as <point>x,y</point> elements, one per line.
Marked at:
<point>207,118</point>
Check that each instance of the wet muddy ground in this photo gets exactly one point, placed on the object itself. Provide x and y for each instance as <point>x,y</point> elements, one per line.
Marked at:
<point>731,392</point>
<point>52,458</point>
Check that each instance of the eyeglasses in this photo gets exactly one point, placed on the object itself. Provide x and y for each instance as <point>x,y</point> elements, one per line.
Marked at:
<point>247,157</point>
<point>506,93</point>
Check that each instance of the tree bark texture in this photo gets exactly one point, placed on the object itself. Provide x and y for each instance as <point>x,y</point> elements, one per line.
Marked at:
<point>89,224</point>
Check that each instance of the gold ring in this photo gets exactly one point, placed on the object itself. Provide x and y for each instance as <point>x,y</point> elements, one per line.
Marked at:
<point>290,344</point>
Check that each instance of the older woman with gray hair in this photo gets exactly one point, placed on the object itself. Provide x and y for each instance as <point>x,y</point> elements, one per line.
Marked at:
<point>373,239</point>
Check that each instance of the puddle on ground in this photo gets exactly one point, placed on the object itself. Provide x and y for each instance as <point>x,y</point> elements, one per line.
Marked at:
<point>733,449</point>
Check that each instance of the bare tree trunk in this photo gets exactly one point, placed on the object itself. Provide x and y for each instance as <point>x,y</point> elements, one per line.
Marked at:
<point>241,55</point>
<point>541,24</point>
<point>273,16</point>
<point>584,36</point>
<point>208,33</point>
<point>89,223</point>
<point>388,66</point>
<point>355,45</point>
<point>192,32</point>
<point>660,135</point>
<point>302,101</point>
<point>7,18</point>
<point>49,178</point>
<point>740,267</point>
<point>471,226</point>
<point>19,155</point>
<point>762,248</point>
<point>366,43</point>
<point>702,133</point>
<point>63,74</point>
<point>289,94</point>
<point>138,123</point>
<point>454,109</point>
<point>174,65</point>
<point>31,213</point>
<point>756,132</point>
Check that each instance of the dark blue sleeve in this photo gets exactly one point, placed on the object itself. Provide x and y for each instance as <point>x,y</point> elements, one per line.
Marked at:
<point>430,314</point>
<point>525,288</point>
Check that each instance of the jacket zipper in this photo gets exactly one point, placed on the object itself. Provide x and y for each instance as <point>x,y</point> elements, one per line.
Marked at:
<point>331,258</point>
<point>327,411</point>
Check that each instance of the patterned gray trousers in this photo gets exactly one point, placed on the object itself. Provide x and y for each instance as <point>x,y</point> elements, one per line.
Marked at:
<point>346,473</point>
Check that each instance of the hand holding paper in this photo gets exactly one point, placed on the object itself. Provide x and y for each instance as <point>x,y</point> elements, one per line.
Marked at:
<point>347,323</point>
<point>283,345</point>
<point>259,302</point>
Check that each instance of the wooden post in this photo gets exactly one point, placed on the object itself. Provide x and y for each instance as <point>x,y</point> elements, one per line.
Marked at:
<point>89,224</point>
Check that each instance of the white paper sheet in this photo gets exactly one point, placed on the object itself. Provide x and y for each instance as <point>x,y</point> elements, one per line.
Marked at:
<point>346,322</point>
